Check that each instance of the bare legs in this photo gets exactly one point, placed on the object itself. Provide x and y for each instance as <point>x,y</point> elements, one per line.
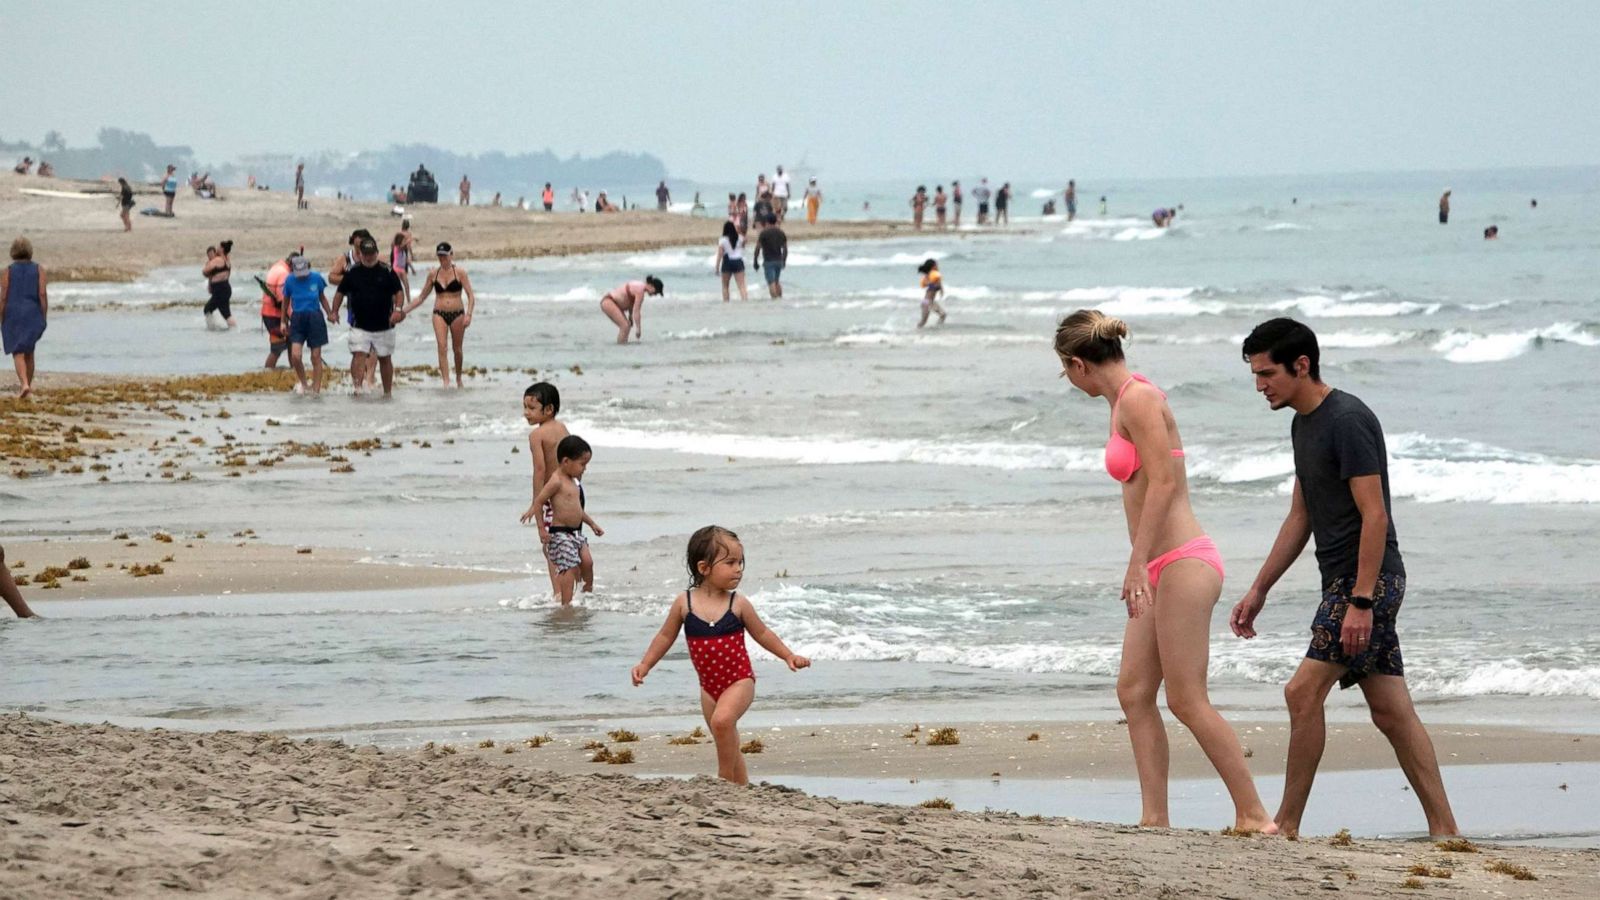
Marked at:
<point>458,337</point>
<point>744,292</point>
<point>722,715</point>
<point>299,365</point>
<point>619,318</point>
<point>24,364</point>
<point>930,305</point>
<point>127,223</point>
<point>1389,701</point>
<point>1172,642</point>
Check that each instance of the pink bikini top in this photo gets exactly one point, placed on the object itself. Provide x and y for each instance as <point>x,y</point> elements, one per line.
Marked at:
<point>1122,457</point>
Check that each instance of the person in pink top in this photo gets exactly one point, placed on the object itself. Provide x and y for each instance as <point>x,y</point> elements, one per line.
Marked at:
<point>1174,574</point>
<point>624,305</point>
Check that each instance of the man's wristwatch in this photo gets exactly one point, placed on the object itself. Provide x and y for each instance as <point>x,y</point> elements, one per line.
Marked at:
<point>1360,602</point>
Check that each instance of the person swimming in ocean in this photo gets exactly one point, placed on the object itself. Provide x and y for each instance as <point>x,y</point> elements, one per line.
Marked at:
<point>1491,233</point>
<point>932,287</point>
<point>1173,578</point>
<point>715,618</point>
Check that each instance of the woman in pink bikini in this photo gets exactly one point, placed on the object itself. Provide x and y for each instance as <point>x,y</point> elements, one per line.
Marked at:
<point>624,305</point>
<point>1174,574</point>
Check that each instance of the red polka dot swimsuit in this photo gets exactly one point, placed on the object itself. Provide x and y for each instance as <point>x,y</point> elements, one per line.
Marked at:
<point>716,649</point>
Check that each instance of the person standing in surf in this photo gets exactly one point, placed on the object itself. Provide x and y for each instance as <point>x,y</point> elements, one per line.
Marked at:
<point>218,272</point>
<point>1341,497</point>
<point>451,317</point>
<point>730,259</point>
<point>24,311</point>
<point>1173,579</point>
<point>624,305</point>
<point>932,287</point>
<point>1444,208</point>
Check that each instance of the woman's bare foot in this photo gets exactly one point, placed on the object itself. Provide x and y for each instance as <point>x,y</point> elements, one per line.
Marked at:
<point>27,391</point>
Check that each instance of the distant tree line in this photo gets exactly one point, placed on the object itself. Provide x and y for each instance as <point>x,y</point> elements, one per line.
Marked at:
<point>365,175</point>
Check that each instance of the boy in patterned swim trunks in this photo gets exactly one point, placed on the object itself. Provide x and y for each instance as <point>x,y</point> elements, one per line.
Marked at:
<point>1341,496</point>
<point>563,537</point>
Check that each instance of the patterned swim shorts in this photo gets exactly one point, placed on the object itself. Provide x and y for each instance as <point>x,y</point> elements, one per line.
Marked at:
<point>566,549</point>
<point>1382,656</point>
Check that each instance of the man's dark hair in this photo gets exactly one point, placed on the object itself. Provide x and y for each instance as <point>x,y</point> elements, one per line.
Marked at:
<point>1284,340</point>
<point>545,394</point>
<point>572,447</point>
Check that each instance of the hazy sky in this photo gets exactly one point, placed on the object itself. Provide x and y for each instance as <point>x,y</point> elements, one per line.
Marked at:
<point>862,89</point>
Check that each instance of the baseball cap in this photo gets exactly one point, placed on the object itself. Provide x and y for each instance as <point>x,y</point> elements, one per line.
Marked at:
<point>367,245</point>
<point>443,248</point>
<point>299,265</point>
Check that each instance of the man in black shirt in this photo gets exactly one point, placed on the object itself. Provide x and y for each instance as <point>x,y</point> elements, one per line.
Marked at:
<point>1341,495</point>
<point>774,244</point>
<point>376,297</point>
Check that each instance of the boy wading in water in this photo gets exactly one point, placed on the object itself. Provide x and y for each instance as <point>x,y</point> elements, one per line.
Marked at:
<point>540,404</point>
<point>1341,495</point>
<point>565,546</point>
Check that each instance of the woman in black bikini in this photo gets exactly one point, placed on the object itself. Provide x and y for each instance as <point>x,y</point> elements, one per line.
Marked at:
<point>218,269</point>
<point>450,318</point>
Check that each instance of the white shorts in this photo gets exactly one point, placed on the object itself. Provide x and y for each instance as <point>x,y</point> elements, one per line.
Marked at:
<point>379,342</point>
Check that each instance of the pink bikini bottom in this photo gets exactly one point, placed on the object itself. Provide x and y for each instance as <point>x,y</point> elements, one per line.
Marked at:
<point>1200,548</point>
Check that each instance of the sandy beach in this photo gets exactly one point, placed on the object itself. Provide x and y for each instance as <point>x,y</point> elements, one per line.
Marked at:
<point>91,809</point>
<point>79,238</point>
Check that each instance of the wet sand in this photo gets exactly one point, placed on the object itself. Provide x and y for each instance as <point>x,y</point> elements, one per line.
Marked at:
<point>90,810</point>
<point>81,238</point>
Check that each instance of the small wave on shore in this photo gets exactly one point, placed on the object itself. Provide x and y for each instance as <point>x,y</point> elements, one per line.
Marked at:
<point>1472,347</point>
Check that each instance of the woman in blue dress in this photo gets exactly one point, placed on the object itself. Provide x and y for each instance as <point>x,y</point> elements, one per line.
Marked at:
<point>24,305</point>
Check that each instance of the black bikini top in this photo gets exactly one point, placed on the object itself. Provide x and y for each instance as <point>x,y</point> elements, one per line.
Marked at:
<point>696,627</point>
<point>454,287</point>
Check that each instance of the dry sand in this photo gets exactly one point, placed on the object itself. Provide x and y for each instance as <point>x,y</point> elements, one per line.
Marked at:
<point>1062,750</point>
<point>216,564</point>
<point>81,238</point>
<point>99,810</point>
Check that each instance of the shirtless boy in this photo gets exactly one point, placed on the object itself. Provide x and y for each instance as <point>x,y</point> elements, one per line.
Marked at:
<point>540,404</point>
<point>565,545</point>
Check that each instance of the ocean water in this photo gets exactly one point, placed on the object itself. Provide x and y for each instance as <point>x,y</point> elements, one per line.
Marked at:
<point>924,512</point>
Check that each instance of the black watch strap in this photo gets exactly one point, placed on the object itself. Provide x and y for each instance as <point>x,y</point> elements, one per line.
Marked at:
<point>1360,602</point>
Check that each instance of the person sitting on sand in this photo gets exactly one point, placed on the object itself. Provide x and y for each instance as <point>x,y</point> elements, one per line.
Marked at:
<point>715,618</point>
<point>563,538</point>
<point>603,204</point>
<point>46,170</point>
<point>932,287</point>
<point>217,271</point>
<point>624,305</point>
<point>24,167</point>
<point>1173,578</point>
<point>125,203</point>
<point>10,594</point>
<point>449,283</point>
<point>24,311</point>
<point>730,259</point>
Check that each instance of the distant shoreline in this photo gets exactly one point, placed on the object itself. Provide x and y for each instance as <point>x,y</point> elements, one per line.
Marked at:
<point>82,240</point>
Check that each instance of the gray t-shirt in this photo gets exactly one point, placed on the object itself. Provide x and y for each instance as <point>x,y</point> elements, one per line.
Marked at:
<point>1340,440</point>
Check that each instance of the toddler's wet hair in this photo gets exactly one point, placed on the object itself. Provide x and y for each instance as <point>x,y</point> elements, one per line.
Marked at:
<point>706,546</point>
<point>572,447</point>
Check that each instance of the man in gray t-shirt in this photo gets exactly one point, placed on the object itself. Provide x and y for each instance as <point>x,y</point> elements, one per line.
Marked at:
<point>1341,497</point>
